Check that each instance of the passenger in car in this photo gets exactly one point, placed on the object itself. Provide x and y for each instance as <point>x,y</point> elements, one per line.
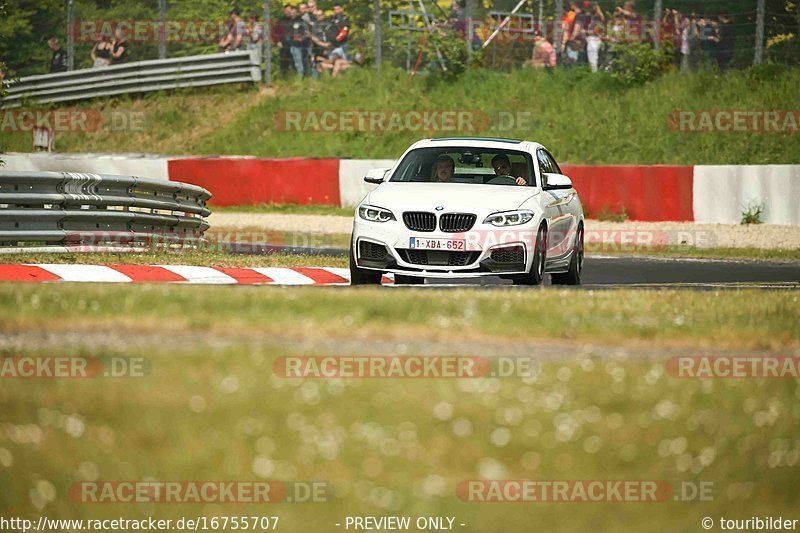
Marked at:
<point>444,169</point>
<point>502,167</point>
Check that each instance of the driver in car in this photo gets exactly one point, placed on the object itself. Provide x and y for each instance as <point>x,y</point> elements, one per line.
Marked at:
<point>502,167</point>
<point>444,169</point>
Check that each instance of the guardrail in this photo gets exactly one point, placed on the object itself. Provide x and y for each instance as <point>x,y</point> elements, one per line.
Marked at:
<point>141,76</point>
<point>76,208</point>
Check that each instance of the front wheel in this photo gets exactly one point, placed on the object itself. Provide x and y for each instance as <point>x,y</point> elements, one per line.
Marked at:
<point>361,276</point>
<point>536,274</point>
<point>573,276</point>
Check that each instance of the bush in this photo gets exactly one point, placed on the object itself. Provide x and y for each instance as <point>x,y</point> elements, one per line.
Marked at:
<point>638,63</point>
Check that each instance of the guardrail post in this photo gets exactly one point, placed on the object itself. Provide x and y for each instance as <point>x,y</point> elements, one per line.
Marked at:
<point>760,22</point>
<point>657,21</point>
<point>71,35</point>
<point>557,27</point>
<point>470,10</point>
<point>376,16</point>
<point>267,36</point>
<point>162,34</point>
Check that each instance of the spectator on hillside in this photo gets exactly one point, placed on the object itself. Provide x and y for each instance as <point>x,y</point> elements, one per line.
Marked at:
<point>695,44</point>
<point>594,35</point>
<point>633,21</point>
<point>119,47</point>
<point>3,72</point>
<point>671,29</point>
<point>58,62</point>
<point>727,43</point>
<point>341,22</point>
<point>282,39</point>
<point>687,29</point>
<point>709,41</point>
<point>255,32</point>
<point>575,36</point>
<point>320,44</point>
<point>567,25</point>
<point>299,41</point>
<point>544,54</point>
<point>101,52</point>
<point>234,39</point>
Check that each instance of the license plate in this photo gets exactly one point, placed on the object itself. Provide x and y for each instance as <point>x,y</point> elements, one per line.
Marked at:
<point>453,245</point>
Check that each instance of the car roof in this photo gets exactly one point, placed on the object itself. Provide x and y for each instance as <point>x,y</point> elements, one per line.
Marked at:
<point>492,143</point>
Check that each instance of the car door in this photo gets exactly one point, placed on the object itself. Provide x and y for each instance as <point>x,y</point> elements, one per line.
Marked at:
<point>560,207</point>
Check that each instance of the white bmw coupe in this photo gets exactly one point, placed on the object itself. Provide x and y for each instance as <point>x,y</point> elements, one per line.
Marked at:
<point>469,207</point>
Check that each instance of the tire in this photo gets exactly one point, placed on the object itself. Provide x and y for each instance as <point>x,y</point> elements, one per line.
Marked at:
<point>361,276</point>
<point>536,274</point>
<point>573,276</point>
<point>399,279</point>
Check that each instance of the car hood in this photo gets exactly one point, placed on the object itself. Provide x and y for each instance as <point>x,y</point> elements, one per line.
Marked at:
<point>451,196</point>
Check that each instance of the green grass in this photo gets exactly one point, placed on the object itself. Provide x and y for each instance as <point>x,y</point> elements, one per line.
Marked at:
<point>601,407</point>
<point>583,118</point>
<point>754,319</point>
<point>213,258</point>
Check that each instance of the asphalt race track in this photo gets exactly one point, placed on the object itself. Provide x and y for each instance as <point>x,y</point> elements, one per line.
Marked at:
<point>648,272</point>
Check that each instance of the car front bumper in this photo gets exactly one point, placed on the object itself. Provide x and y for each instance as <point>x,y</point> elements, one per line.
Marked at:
<point>481,242</point>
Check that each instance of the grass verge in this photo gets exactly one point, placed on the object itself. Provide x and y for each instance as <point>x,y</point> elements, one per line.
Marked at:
<point>211,408</point>
<point>634,125</point>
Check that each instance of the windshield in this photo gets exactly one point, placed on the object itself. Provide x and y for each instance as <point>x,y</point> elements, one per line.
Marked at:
<point>477,166</point>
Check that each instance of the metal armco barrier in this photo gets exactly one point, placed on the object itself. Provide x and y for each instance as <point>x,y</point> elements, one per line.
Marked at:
<point>68,207</point>
<point>138,77</point>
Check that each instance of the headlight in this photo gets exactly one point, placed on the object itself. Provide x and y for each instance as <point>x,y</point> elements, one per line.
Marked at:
<point>509,218</point>
<point>375,214</point>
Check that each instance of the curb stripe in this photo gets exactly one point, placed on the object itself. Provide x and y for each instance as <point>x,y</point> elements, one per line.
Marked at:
<point>322,276</point>
<point>26,273</point>
<point>87,273</point>
<point>147,274</point>
<point>246,276</point>
<point>285,276</point>
<point>178,274</point>
<point>201,275</point>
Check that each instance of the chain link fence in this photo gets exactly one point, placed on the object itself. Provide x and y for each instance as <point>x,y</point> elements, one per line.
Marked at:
<point>421,36</point>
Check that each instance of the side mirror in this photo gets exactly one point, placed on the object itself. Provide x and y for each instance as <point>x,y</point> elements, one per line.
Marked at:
<point>556,182</point>
<point>376,175</point>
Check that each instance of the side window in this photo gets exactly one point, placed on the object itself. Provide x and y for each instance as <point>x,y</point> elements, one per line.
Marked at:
<point>544,165</point>
<point>553,164</point>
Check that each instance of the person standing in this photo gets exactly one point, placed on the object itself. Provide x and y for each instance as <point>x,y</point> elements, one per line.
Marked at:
<point>101,52</point>
<point>299,38</point>
<point>255,32</point>
<point>119,47</point>
<point>341,22</point>
<point>58,62</point>
<point>687,27</point>
<point>282,40</point>
<point>594,36</point>
<point>727,43</point>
